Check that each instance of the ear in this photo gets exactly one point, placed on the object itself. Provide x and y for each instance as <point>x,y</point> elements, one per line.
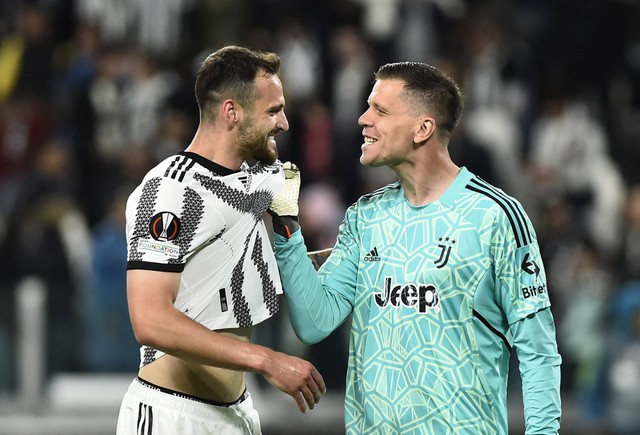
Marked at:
<point>230,111</point>
<point>426,129</point>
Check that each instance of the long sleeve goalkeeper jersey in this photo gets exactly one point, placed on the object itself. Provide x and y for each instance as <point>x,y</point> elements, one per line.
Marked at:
<point>438,295</point>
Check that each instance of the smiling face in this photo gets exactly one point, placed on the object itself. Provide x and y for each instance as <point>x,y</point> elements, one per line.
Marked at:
<point>389,126</point>
<point>256,132</point>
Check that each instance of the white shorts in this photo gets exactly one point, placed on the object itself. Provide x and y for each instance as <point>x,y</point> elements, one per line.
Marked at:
<point>150,410</point>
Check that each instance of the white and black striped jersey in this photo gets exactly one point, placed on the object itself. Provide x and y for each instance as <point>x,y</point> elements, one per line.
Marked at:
<point>193,216</point>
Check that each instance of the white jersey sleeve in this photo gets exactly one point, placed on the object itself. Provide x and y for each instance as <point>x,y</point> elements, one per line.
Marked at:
<point>168,226</point>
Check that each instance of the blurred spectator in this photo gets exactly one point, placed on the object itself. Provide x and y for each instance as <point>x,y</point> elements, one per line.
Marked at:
<point>26,121</point>
<point>45,239</point>
<point>316,139</point>
<point>154,26</point>
<point>301,67</point>
<point>630,246</point>
<point>106,94</point>
<point>497,86</point>
<point>582,332</point>
<point>144,98</point>
<point>353,70</point>
<point>300,53</point>
<point>224,22</point>
<point>569,146</point>
<point>109,344</point>
<point>381,21</point>
<point>465,151</point>
<point>421,34</point>
<point>24,130</point>
<point>559,239</point>
<point>623,102</point>
<point>160,26</point>
<point>77,63</point>
<point>175,130</point>
<point>26,56</point>
<point>321,212</point>
<point>624,356</point>
<point>114,18</point>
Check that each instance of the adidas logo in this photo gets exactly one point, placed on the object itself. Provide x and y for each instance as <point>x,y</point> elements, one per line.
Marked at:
<point>372,256</point>
<point>245,180</point>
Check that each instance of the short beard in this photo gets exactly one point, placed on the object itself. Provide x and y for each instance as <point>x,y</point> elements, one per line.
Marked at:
<point>253,145</point>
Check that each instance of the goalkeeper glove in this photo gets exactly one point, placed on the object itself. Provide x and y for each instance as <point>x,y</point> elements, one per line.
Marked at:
<point>284,207</point>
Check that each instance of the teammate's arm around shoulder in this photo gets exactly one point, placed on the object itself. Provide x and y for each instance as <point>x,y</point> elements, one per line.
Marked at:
<point>157,323</point>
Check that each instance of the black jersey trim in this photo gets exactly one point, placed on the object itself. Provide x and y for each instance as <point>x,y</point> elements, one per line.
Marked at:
<point>513,212</point>
<point>486,323</point>
<point>176,169</point>
<point>175,393</point>
<point>173,166</point>
<point>211,165</point>
<point>160,267</point>
<point>515,208</point>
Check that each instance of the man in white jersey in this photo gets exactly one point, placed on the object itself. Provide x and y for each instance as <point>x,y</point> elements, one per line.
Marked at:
<point>201,271</point>
<point>440,271</point>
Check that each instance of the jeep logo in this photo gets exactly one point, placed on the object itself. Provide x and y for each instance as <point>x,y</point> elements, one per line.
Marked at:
<point>421,296</point>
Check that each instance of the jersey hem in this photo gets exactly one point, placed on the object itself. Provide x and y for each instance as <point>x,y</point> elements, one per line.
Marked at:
<point>146,265</point>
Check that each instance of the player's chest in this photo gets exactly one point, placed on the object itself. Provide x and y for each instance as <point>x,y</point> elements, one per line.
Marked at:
<point>442,250</point>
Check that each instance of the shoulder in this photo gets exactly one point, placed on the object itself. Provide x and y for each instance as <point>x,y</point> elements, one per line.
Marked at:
<point>179,168</point>
<point>378,196</point>
<point>369,205</point>
<point>265,168</point>
<point>492,204</point>
<point>169,184</point>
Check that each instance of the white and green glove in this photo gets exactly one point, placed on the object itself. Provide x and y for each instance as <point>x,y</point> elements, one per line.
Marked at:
<point>285,203</point>
<point>284,207</point>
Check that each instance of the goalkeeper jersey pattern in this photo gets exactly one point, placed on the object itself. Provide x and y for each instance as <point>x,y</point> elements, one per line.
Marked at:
<point>193,216</point>
<point>434,290</point>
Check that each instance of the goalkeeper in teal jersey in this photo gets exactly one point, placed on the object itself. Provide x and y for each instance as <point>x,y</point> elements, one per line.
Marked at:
<point>442,275</point>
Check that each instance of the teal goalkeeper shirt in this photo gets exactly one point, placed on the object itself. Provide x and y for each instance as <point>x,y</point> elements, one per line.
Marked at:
<point>439,295</point>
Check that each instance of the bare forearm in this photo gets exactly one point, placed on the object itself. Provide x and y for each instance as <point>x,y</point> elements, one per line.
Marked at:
<point>188,340</point>
<point>178,335</point>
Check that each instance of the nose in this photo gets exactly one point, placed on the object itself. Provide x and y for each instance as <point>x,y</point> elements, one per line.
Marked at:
<point>364,119</point>
<point>282,122</point>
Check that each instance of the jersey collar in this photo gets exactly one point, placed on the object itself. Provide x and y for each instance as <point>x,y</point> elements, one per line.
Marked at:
<point>461,180</point>
<point>211,165</point>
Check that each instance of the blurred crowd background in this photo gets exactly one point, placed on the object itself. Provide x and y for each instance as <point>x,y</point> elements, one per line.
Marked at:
<point>95,92</point>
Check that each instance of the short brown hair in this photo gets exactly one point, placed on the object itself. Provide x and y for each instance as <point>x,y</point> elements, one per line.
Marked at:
<point>430,88</point>
<point>230,72</point>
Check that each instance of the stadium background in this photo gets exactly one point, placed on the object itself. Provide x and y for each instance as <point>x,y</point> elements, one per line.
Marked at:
<point>94,92</point>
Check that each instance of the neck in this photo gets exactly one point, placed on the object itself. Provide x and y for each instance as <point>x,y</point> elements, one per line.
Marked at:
<point>216,146</point>
<point>425,180</point>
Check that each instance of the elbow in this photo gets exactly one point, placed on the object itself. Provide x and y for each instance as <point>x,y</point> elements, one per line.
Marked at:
<point>310,337</point>
<point>143,337</point>
<point>309,340</point>
<point>146,335</point>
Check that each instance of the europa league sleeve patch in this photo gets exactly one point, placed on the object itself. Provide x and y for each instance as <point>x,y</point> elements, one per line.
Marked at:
<point>164,226</point>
